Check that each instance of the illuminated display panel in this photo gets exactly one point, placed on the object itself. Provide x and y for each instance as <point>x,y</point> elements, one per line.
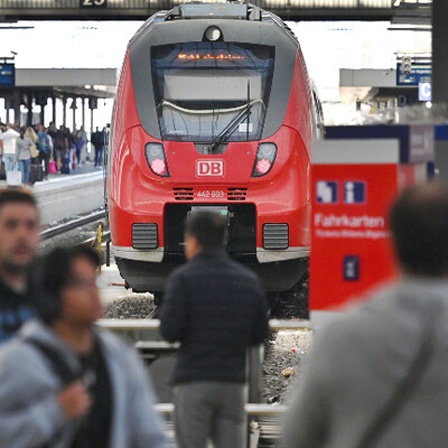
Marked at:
<point>209,56</point>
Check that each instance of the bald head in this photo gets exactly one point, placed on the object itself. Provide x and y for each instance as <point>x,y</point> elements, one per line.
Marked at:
<point>419,225</point>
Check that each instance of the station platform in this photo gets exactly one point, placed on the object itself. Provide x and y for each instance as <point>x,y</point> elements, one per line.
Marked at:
<point>68,195</point>
<point>85,168</point>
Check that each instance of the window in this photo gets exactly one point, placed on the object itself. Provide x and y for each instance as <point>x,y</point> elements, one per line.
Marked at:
<point>204,88</point>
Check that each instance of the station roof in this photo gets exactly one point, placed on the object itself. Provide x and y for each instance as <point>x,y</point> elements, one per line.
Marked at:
<point>367,84</point>
<point>63,77</point>
<point>81,82</point>
<point>11,10</point>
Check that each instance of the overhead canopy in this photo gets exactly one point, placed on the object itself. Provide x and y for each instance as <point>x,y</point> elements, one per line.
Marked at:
<point>80,82</point>
<point>372,84</point>
<point>37,86</point>
<point>142,9</point>
<point>64,77</point>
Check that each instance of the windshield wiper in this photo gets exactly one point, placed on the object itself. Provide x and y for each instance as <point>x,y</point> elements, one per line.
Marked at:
<point>228,131</point>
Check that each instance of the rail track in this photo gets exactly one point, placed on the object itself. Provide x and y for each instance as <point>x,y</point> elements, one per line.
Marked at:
<point>61,229</point>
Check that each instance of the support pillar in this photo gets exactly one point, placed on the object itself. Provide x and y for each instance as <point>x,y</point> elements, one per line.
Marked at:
<point>64,110</point>
<point>83,102</point>
<point>90,156</point>
<point>17,108</point>
<point>29,106</point>
<point>439,71</point>
<point>74,107</point>
<point>8,106</point>
<point>91,120</point>
<point>53,102</point>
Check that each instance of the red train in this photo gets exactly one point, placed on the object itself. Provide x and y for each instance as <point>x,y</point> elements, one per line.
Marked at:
<point>214,109</point>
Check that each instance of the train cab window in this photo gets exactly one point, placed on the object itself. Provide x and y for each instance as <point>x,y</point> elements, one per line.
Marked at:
<point>204,89</point>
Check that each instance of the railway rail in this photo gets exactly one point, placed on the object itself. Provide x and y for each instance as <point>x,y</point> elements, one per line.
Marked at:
<point>63,228</point>
<point>60,229</point>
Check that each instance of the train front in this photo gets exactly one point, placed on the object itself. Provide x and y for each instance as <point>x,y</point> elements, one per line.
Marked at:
<point>213,110</point>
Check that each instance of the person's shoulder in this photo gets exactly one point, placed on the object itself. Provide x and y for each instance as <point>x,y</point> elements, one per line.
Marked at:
<point>116,346</point>
<point>8,349</point>
<point>120,352</point>
<point>12,354</point>
<point>243,270</point>
<point>9,134</point>
<point>10,298</point>
<point>365,317</point>
<point>375,303</point>
<point>114,341</point>
<point>182,271</point>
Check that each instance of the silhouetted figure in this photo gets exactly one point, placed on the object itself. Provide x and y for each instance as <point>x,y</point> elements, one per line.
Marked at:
<point>98,140</point>
<point>216,309</point>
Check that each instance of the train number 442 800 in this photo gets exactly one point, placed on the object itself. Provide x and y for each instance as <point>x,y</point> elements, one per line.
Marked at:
<point>210,194</point>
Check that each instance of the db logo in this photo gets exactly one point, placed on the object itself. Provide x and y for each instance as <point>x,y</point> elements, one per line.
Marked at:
<point>210,168</point>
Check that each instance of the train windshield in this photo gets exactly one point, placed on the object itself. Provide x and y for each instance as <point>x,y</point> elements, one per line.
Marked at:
<point>200,88</point>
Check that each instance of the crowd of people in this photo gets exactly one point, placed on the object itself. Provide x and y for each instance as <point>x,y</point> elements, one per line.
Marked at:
<point>55,150</point>
<point>375,378</point>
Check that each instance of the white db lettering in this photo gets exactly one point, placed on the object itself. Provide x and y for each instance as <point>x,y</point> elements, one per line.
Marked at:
<point>210,168</point>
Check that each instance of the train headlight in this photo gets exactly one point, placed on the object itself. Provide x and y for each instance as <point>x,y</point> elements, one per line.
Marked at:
<point>265,159</point>
<point>213,33</point>
<point>155,156</point>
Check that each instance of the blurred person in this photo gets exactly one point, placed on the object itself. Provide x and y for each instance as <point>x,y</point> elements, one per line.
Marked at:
<point>2,129</point>
<point>23,155</point>
<point>19,238</point>
<point>52,131</point>
<point>45,147</point>
<point>31,134</point>
<point>378,376</point>
<point>82,387</point>
<point>60,146</point>
<point>8,146</point>
<point>90,146</point>
<point>98,141</point>
<point>216,308</point>
<point>86,139</point>
<point>79,144</point>
<point>72,148</point>
<point>66,162</point>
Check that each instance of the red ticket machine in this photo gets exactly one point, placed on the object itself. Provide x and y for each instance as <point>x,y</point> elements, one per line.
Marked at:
<point>354,181</point>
